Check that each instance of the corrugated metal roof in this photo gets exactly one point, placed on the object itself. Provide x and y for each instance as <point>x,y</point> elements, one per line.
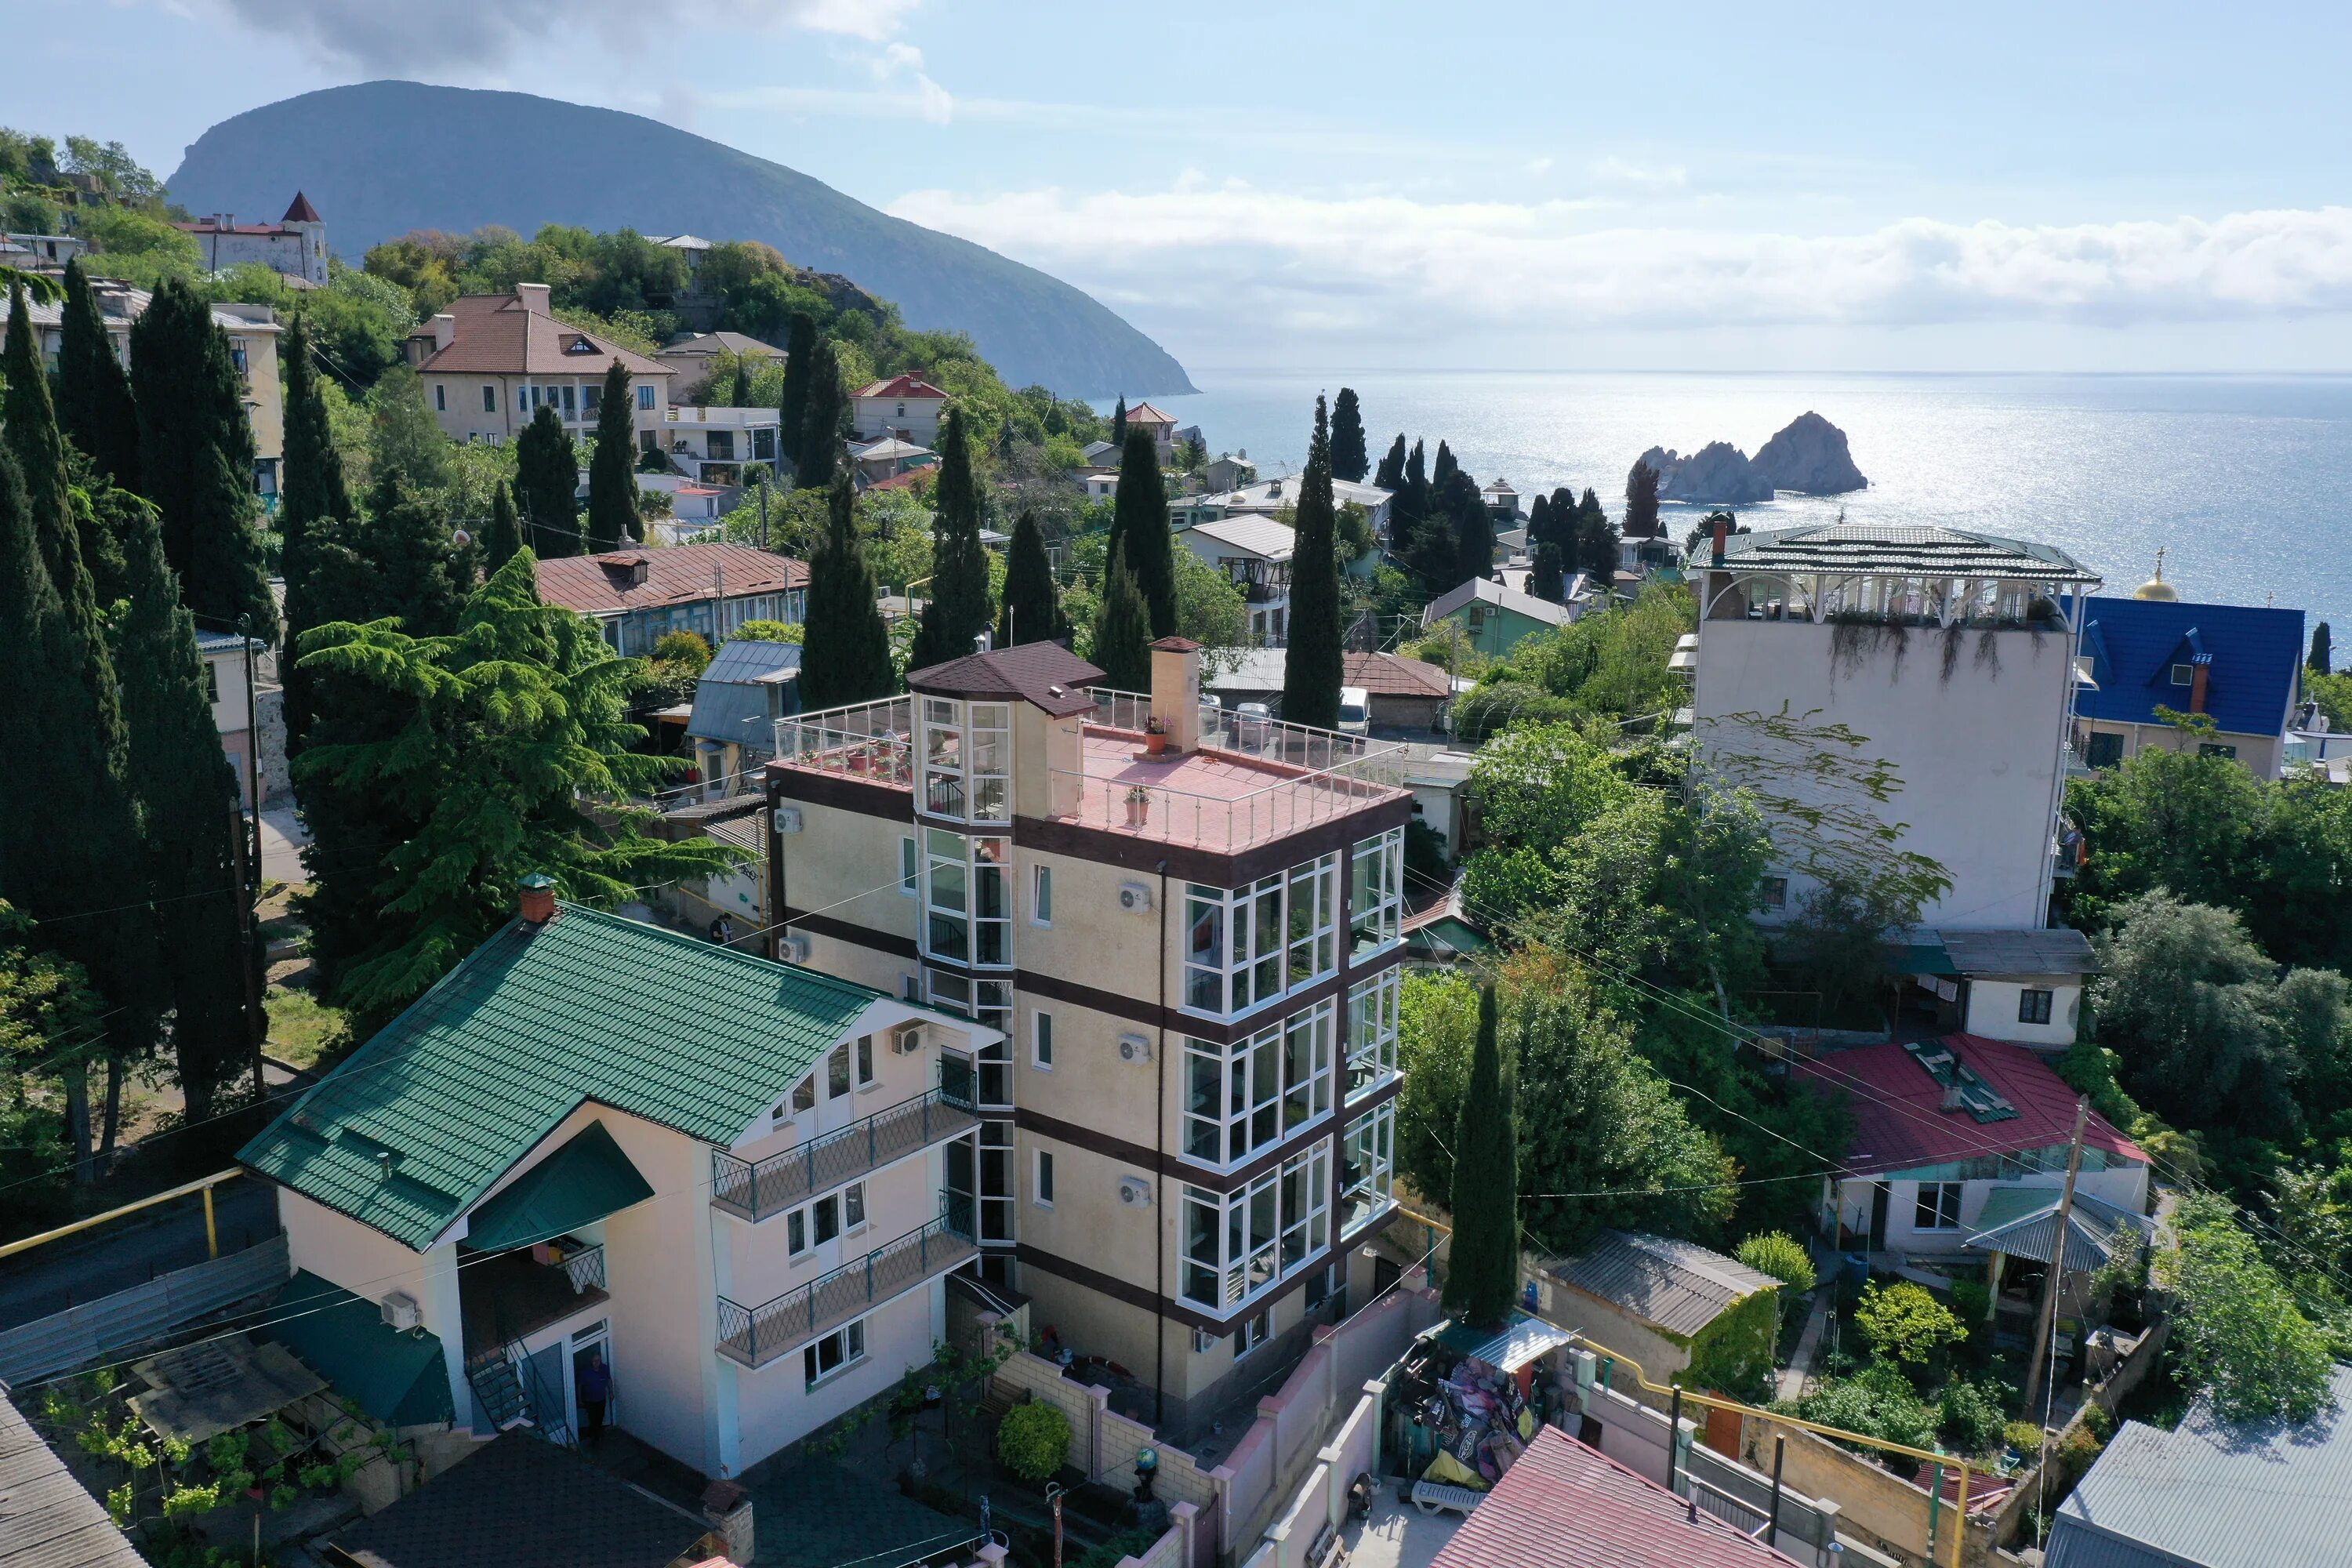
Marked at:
<point>730,700</point>
<point>1847,548</point>
<point>2217,1494</point>
<point>749,831</point>
<point>1900,1121</point>
<point>1520,1344</point>
<point>46,1519</point>
<point>538,1020</point>
<point>1487,591</point>
<point>2059,950</point>
<point>2020,1220</point>
<point>1253,534</point>
<point>1679,1286</point>
<point>2252,657</point>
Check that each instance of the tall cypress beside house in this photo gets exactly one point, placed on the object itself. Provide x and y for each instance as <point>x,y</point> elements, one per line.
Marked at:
<point>1349,461</point>
<point>2323,651</point>
<point>1482,1278</point>
<point>613,516</point>
<point>186,793</point>
<point>1389,475</point>
<point>1032,601</point>
<point>845,649</point>
<point>821,422</point>
<point>1118,423</point>
<point>1548,581</point>
<point>95,408</point>
<point>1312,665</point>
<point>958,610</point>
<point>1139,528</point>
<point>503,537</point>
<point>196,461</point>
<point>792,403</point>
<point>1474,528</point>
<point>547,486</point>
<point>1538,522</point>
<point>1122,648</point>
<point>28,423</point>
<point>1641,503</point>
<point>738,393</point>
<point>314,509</point>
<point>1596,541</point>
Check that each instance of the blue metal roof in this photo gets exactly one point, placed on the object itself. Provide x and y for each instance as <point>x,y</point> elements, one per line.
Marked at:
<point>730,700</point>
<point>2252,658</point>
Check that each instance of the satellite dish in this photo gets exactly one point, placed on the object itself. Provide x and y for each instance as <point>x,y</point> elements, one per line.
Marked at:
<point>460,537</point>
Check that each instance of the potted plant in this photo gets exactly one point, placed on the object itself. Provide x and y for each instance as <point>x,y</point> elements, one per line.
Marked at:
<point>1138,805</point>
<point>1155,735</point>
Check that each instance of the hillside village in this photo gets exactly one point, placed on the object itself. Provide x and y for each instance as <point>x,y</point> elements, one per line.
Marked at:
<point>676,923</point>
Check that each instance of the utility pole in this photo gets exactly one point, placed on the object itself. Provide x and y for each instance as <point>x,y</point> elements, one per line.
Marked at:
<point>763,514</point>
<point>2048,1327</point>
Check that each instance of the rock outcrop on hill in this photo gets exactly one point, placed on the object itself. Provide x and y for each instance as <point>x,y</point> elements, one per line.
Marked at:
<point>1717,474</point>
<point>1811,458</point>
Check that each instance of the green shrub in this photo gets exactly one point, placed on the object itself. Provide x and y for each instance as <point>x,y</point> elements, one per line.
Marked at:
<point>765,631</point>
<point>1783,1256</point>
<point>1971,1418</point>
<point>2101,1424</point>
<point>688,648</point>
<point>1034,1439</point>
<point>1905,1323</point>
<point>1876,1402</point>
<point>2022,1435</point>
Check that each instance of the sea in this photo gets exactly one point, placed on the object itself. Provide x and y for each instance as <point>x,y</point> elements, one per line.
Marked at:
<point>2243,482</point>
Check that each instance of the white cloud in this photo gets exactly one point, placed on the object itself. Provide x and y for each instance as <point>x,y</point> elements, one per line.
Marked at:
<point>1616,171</point>
<point>930,99</point>
<point>1220,262</point>
<point>412,35</point>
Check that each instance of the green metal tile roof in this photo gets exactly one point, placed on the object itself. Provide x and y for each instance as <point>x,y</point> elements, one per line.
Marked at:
<point>398,1378</point>
<point>412,1127</point>
<point>585,1180</point>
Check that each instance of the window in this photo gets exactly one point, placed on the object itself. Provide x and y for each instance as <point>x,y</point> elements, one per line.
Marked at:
<point>1253,1333</point>
<point>2034,1006</point>
<point>1367,1163</point>
<point>1041,1041</point>
<point>804,1095</point>
<point>864,1061</point>
<point>2104,750</point>
<point>988,1003</point>
<point>719,445</point>
<point>1243,1096</point>
<point>1041,1192</point>
<point>568,394</point>
<point>212,681</point>
<point>1772,893</point>
<point>1372,1030</point>
<point>2182,675</point>
<point>837,1072</point>
<point>1327,1283</point>
<point>1253,944</point>
<point>2216,749</point>
<point>1040,896</point>
<point>763,445</point>
<point>237,356</point>
<point>796,1232</point>
<point>440,397</point>
<point>947,928</point>
<point>845,1346</point>
<point>1938,1206</point>
<point>645,397</point>
<point>1240,1244</point>
<point>489,398</point>
<point>910,873</point>
<point>966,757</point>
<point>1376,891</point>
<point>853,1205</point>
<point>590,397</point>
<point>968,915</point>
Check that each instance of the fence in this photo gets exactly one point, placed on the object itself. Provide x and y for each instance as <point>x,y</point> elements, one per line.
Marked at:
<point>1320,1504</point>
<point>1104,1444</point>
<point>2107,1395</point>
<point>131,1318</point>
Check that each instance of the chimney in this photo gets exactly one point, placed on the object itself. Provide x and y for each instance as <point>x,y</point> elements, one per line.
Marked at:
<point>727,1509</point>
<point>533,297</point>
<point>984,640</point>
<point>1176,692</point>
<point>1722,533</point>
<point>1952,1097</point>
<point>444,330</point>
<point>2197,674</point>
<point>537,901</point>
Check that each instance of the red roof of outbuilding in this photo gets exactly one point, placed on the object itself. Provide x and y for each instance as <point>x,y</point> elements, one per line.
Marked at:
<point>908,385</point>
<point>1900,1122</point>
<point>1394,674</point>
<point>1564,1505</point>
<point>683,574</point>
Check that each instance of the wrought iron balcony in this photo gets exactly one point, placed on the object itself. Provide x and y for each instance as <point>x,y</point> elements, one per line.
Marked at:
<point>758,1191</point>
<point>758,1336</point>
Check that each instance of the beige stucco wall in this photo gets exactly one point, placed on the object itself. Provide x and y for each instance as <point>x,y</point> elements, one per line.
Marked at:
<point>2258,754</point>
<point>455,399</point>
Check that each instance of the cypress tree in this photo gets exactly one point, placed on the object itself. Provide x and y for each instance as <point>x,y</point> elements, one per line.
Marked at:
<point>612,470</point>
<point>95,408</point>
<point>792,403</point>
<point>1123,639</point>
<point>504,535</point>
<point>846,651</point>
<point>1441,473</point>
<point>1596,541</point>
<point>1139,528</point>
<point>1474,528</point>
<point>1538,523</point>
<point>2323,651</point>
<point>547,486</point>
<point>959,610</point>
<point>186,793</point>
<point>314,509</point>
<point>1312,665</point>
<point>1549,580</point>
<point>1032,601</point>
<point>1482,1279</point>
<point>1641,503</point>
<point>418,573</point>
<point>828,407</point>
<point>1118,423</point>
<point>1349,461</point>
<point>196,461</point>
<point>60,528</point>
<point>740,394</point>
<point>1391,474</point>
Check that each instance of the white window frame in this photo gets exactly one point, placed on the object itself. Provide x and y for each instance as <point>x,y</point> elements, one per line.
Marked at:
<point>1376,892</point>
<point>1256,1245</point>
<point>965,752</point>
<point>987,1001</point>
<point>1247,947</point>
<point>910,866</point>
<point>1367,1167</point>
<point>1040,896</point>
<point>864,1076</point>
<point>645,397</point>
<point>1041,1178</point>
<point>1921,1200</point>
<point>850,1340</point>
<point>1242,1097</point>
<point>1252,1332</point>
<point>836,1071</point>
<point>1041,1041</point>
<point>1372,1007</point>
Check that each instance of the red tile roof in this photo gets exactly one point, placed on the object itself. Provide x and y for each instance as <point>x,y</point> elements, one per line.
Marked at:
<point>907,385</point>
<point>1564,1505</point>
<point>500,334</point>
<point>906,481</point>
<point>300,210</point>
<point>1144,414</point>
<point>1393,675</point>
<point>1900,1122</point>
<point>683,574</point>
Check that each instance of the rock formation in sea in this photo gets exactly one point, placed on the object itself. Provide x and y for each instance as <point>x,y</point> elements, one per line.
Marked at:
<point>1809,457</point>
<point>1718,474</point>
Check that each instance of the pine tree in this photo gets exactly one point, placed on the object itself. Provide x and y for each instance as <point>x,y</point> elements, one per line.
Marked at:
<point>1549,580</point>
<point>739,395</point>
<point>1441,473</point>
<point>820,423</point>
<point>504,535</point>
<point>1641,503</point>
<point>547,486</point>
<point>1119,424</point>
<point>1313,668</point>
<point>186,794</point>
<point>1474,528</point>
<point>95,408</point>
<point>1349,461</point>
<point>792,403</point>
<point>1139,528</point>
<point>421,575</point>
<point>1032,601</point>
<point>196,461</point>
<point>2323,650</point>
<point>1482,1278</point>
<point>959,610</point>
<point>845,649</point>
<point>1391,474</point>
<point>1122,648</point>
<point>612,518</point>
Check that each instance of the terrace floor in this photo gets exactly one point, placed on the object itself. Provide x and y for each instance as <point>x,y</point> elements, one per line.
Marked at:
<point>1398,1535</point>
<point>1208,798</point>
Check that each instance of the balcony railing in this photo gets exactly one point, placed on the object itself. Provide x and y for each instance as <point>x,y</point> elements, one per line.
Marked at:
<point>872,740</point>
<point>762,1190</point>
<point>585,1268</point>
<point>758,1336</point>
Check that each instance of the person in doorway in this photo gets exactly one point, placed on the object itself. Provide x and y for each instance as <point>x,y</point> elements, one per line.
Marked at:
<point>722,931</point>
<point>596,1388</point>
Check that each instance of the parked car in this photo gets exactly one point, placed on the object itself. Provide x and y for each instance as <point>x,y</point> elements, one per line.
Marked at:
<point>1252,722</point>
<point>1355,711</point>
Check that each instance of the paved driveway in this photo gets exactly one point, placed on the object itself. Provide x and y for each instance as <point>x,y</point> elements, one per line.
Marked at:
<point>282,837</point>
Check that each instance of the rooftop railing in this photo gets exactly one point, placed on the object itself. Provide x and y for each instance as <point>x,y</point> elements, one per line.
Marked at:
<point>871,741</point>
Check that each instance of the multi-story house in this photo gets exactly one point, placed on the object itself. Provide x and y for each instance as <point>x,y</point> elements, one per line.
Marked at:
<point>296,244</point>
<point>637,596</point>
<point>1254,552</point>
<point>905,406</point>
<point>718,446</point>
<point>1186,926</point>
<point>490,362</point>
<point>2240,666</point>
<point>598,1142</point>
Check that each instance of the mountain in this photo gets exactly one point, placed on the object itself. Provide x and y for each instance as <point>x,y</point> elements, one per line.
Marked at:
<point>383,157</point>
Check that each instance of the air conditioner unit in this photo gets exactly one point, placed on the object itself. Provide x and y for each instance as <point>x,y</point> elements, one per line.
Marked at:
<point>1135,1191</point>
<point>1134,1048</point>
<point>1204,1342</point>
<point>1135,898</point>
<point>906,1040</point>
<point>794,949</point>
<point>788,819</point>
<point>400,1312</point>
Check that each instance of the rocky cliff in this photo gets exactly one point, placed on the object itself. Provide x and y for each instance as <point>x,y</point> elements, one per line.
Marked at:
<point>1811,458</point>
<point>1717,474</point>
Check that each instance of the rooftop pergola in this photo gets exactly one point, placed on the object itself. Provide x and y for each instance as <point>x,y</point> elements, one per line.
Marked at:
<point>1944,576</point>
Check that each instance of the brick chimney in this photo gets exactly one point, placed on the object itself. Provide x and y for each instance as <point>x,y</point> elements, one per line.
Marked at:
<point>444,330</point>
<point>1722,535</point>
<point>1176,691</point>
<point>2196,673</point>
<point>537,901</point>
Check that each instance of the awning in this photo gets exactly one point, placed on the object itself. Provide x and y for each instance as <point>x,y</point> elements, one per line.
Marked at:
<point>1921,955</point>
<point>2022,1222</point>
<point>1524,1341</point>
<point>400,1378</point>
<point>585,1180</point>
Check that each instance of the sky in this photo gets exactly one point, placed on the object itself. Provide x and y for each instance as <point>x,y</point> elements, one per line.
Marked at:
<point>1470,185</point>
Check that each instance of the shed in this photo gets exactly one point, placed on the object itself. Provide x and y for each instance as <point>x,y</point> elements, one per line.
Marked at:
<point>1670,1305</point>
<point>47,1519</point>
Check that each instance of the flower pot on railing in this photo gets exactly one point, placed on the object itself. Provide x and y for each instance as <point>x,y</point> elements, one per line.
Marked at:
<point>1138,805</point>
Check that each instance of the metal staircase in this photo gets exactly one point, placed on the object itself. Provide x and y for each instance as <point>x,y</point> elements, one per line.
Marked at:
<point>492,1373</point>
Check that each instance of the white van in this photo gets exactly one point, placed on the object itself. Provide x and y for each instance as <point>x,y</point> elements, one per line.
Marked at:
<point>1355,711</point>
